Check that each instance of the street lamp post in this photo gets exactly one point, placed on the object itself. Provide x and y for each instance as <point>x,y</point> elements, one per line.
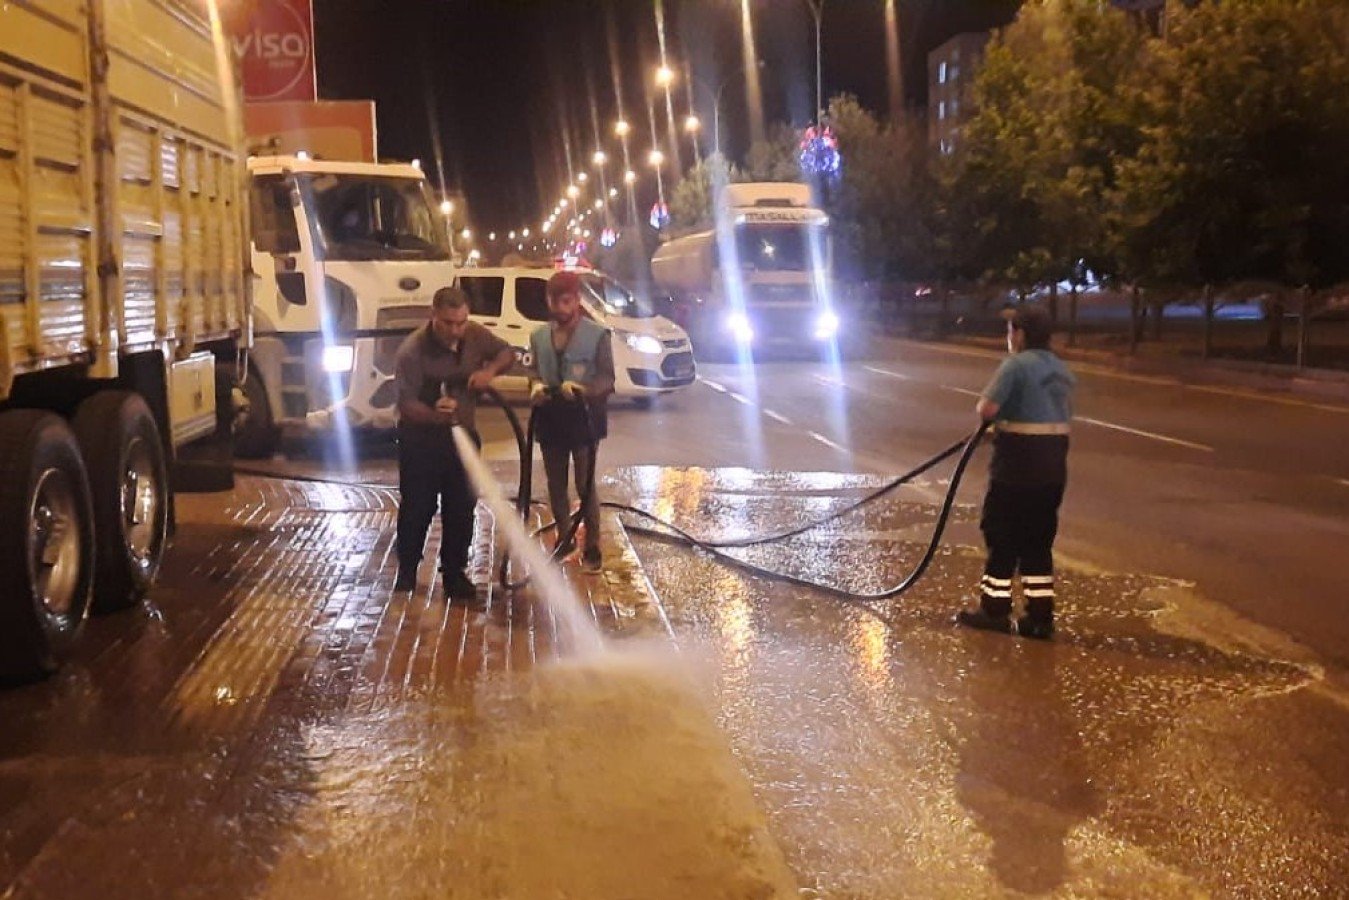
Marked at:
<point>817,10</point>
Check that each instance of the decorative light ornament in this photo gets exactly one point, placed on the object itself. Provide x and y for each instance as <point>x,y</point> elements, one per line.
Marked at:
<point>608,237</point>
<point>660,215</point>
<point>819,153</point>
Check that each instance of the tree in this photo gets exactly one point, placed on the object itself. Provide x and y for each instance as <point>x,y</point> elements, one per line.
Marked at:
<point>774,158</point>
<point>693,199</point>
<point>880,206</point>
<point>1244,171</point>
<point>1025,198</point>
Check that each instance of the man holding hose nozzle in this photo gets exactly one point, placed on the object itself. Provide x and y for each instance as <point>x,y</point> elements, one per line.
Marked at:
<point>574,361</point>
<point>1029,403</point>
<point>439,370</point>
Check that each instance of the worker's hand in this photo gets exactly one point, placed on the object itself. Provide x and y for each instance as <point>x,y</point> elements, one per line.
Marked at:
<point>538,394</point>
<point>573,390</point>
<point>479,380</point>
<point>447,406</point>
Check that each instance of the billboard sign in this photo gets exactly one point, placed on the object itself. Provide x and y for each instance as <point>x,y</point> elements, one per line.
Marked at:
<point>273,42</point>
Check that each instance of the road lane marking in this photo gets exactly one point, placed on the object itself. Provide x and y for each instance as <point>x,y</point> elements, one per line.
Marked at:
<point>777,417</point>
<point>828,443</point>
<point>888,373</point>
<point>713,385</point>
<point>947,387</point>
<point>830,380</point>
<point>1343,481</point>
<point>739,398</point>
<point>1146,434</point>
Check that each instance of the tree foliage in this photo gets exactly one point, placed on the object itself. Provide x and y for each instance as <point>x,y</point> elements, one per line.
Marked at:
<point>1243,173</point>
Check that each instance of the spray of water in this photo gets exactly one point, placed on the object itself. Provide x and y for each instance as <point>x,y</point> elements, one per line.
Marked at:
<point>552,588</point>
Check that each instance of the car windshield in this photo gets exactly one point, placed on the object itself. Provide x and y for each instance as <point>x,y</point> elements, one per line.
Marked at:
<point>614,299</point>
<point>773,248</point>
<point>365,217</point>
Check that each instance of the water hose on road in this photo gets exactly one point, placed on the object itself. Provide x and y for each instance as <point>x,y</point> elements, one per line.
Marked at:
<point>661,529</point>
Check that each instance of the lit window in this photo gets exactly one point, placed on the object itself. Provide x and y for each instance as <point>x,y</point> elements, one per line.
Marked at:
<point>941,72</point>
<point>941,110</point>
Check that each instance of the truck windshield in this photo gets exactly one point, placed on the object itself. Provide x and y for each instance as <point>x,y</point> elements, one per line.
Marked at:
<point>774,248</point>
<point>367,217</point>
<point>615,299</point>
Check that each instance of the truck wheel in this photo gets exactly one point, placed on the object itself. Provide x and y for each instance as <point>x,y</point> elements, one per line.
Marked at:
<point>125,460</point>
<point>255,432</point>
<point>46,543</point>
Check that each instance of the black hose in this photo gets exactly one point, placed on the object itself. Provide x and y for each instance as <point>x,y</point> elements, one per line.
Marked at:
<point>970,444</point>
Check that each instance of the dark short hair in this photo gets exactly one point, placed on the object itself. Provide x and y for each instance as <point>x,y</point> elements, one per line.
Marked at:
<point>1035,323</point>
<point>449,298</point>
<point>563,283</point>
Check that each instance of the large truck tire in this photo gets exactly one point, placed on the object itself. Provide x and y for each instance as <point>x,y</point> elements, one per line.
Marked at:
<point>46,543</point>
<point>255,433</point>
<point>128,483</point>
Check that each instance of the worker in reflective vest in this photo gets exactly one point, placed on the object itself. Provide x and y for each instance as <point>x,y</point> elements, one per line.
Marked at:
<point>1029,403</point>
<point>574,364</point>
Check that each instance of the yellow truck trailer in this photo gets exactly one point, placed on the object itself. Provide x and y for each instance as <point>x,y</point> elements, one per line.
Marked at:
<point>122,294</point>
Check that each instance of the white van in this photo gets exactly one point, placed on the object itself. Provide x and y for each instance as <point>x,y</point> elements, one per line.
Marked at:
<point>652,355</point>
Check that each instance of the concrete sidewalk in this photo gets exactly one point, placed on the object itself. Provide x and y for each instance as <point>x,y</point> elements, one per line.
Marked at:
<point>275,722</point>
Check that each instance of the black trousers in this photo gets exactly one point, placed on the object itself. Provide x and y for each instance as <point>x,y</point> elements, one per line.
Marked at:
<point>431,475</point>
<point>557,461</point>
<point>1019,524</point>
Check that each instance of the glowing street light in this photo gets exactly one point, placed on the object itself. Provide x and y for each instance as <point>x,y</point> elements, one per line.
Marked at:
<point>599,204</point>
<point>525,233</point>
<point>511,235</point>
<point>665,76</point>
<point>446,207</point>
<point>621,128</point>
<point>466,234</point>
<point>656,158</point>
<point>629,176</point>
<point>573,192</point>
<point>692,123</point>
<point>582,177</point>
<point>613,193</point>
<point>600,158</point>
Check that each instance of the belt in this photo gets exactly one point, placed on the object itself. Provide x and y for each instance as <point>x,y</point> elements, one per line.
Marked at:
<point>1033,427</point>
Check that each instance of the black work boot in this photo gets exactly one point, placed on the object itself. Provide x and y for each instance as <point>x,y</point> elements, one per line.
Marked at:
<point>459,586</point>
<point>993,614</point>
<point>406,582</point>
<point>1038,622</point>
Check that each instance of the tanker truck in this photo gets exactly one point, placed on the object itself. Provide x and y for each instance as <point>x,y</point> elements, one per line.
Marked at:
<point>760,278</point>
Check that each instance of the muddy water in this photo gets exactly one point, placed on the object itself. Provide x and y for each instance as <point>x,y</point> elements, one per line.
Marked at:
<point>597,778</point>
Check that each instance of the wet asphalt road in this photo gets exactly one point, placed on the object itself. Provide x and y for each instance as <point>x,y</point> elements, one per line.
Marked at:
<point>1245,494</point>
<point>274,723</point>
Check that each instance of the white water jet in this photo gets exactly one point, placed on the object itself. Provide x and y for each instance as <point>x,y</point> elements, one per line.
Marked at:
<point>547,579</point>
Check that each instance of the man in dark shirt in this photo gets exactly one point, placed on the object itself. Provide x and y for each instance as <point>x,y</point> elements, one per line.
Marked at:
<point>439,370</point>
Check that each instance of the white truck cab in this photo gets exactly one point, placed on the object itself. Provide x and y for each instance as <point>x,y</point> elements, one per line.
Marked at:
<point>346,257</point>
<point>652,355</point>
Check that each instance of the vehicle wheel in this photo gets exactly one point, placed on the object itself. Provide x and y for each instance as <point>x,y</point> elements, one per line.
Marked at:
<point>255,432</point>
<point>129,486</point>
<point>46,543</point>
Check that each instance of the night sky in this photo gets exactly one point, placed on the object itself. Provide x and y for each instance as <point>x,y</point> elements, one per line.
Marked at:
<point>503,80</point>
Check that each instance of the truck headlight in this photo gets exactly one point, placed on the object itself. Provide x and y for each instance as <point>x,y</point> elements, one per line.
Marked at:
<point>826,326</point>
<point>740,328</point>
<point>642,343</point>
<point>338,358</point>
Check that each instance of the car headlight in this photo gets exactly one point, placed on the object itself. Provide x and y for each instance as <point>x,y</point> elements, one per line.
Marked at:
<point>826,326</point>
<point>338,358</point>
<point>740,328</point>
<point>642,343</point>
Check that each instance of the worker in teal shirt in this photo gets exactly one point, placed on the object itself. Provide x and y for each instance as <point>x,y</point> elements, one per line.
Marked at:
<point>1029,404</point>
<point>574,363</point>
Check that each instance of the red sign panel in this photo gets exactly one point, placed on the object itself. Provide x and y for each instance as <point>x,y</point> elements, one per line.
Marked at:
<point>274,44</point>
